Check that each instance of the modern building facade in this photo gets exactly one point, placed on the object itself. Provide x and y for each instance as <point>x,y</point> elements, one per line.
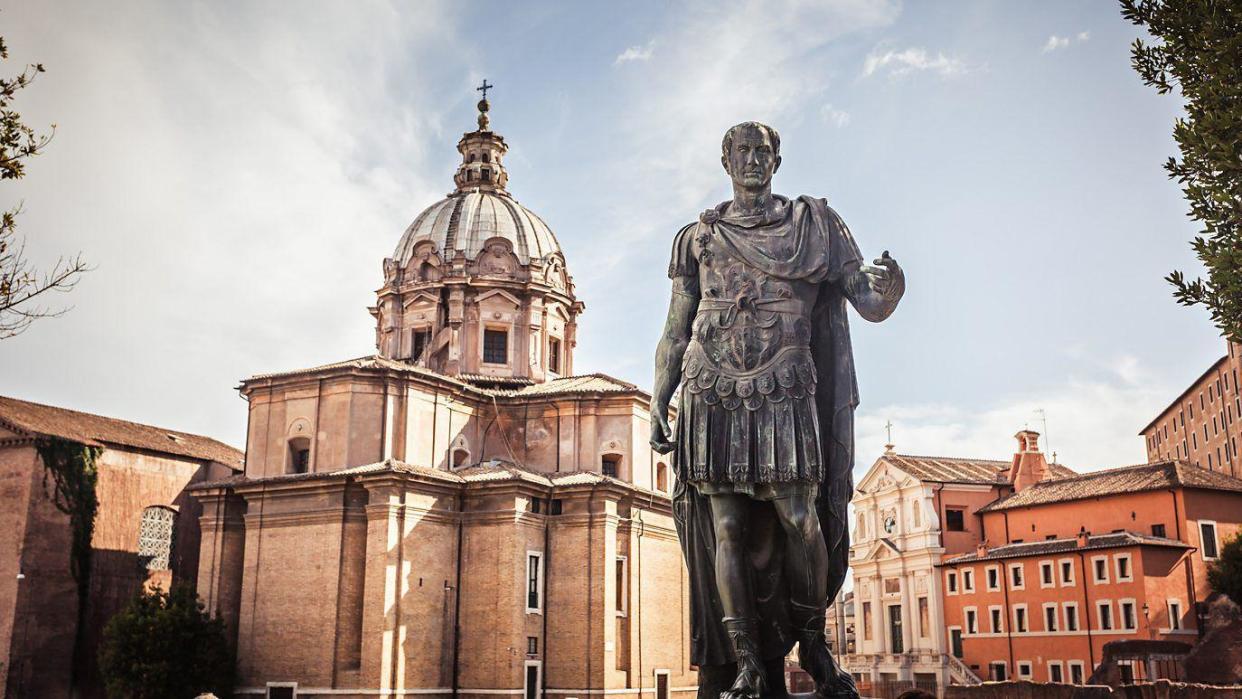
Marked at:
<point>457,515</point>
<point>1203,425</point>
<point>146,533</point>
<point>911,513</point>
<point>1067,565</point>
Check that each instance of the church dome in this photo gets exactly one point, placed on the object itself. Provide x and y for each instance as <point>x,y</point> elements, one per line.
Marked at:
<point>477,286</point>
<point>465,220</point>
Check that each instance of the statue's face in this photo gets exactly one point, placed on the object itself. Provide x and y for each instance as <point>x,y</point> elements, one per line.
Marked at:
<point>751,161</point>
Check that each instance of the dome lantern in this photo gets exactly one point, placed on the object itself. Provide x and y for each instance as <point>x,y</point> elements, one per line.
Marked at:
<point>482,152</point>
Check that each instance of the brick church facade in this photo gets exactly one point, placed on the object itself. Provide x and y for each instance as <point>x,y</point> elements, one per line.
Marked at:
<point>458,514</point>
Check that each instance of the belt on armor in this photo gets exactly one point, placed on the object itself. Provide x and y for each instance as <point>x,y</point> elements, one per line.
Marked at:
<point>743,303</point>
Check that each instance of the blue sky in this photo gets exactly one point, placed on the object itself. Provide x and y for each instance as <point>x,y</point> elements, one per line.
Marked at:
<point>237,172</point>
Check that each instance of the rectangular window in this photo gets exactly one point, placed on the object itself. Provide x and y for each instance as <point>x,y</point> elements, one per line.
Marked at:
<point>1075,671</point>
<point>996,617</point>
<point>1128,620</point>
<point>1050,616</point>
<point>421,338</point>
<point>1104,611</point>
<point>1056,674</point>
<point>993,574</point>
<point>1016,578</point>
<point>1175,615</point>
<point>1099,566</point>
<point>1124,571</point>
<point>495,346</point>
<point>610,465</point>
<point>622,587</point>
<point>1157,530</point>
<point>1019,618</point>
<point>1071,616</point>
<point>955,641</point>
<point>950,582</point>
<point>972,621</point>
<point>1207,540</point>
<point>1045,574</point>
<point>1067,573</point>
<point>1024,670</point>
<point>532,645</point>
<point>554,355</point>
<point>997,671</point>
<point>955,519</point>
<point>534,574</point>
<point>968,580</point>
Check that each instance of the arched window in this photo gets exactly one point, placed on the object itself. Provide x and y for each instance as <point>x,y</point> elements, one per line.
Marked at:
<point>610,465</point>
<point>471,158</point>
<point>155,537</point>
<point>487,157</point>
<point>299,455</point>
<point>461,458</point>
<point>661,477</point>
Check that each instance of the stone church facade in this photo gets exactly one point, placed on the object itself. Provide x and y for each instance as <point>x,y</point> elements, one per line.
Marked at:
<point>459,514</point>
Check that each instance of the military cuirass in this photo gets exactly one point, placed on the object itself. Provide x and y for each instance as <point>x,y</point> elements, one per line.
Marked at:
<point>752,333</point>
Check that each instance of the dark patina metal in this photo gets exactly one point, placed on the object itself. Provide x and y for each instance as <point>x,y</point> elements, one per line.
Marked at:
<point>758,339</point>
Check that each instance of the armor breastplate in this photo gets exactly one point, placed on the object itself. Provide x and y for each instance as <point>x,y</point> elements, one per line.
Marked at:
<point>751,335</point>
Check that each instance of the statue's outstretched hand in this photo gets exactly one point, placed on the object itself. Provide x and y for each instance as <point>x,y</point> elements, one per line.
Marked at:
<point>886,278</point>
<point>661,437</point>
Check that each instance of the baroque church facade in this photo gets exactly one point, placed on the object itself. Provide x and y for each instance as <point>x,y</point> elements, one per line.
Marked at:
<point>458,514</point>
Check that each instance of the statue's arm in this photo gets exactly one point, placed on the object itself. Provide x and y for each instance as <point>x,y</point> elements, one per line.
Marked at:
<point>669,353</point>
<point>875,291</point>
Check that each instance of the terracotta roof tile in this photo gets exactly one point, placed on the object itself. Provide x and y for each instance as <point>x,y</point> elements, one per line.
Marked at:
<point>96,430</point>
<point>945,469</point>
<point>1128,479</point>
<point>1055,546</point>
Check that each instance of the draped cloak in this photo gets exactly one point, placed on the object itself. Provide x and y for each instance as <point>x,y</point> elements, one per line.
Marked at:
<point>820,251</point>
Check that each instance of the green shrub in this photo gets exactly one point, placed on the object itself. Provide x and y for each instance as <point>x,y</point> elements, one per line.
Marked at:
<point>164,645</point>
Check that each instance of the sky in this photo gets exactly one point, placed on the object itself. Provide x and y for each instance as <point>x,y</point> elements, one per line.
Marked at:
<point>236,173</point>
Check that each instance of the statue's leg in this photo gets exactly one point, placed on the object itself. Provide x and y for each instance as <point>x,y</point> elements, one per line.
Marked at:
<point>806,565</point>
<point>729,518</point>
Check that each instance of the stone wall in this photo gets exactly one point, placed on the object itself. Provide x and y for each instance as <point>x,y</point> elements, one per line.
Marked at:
<point>1161,689</point>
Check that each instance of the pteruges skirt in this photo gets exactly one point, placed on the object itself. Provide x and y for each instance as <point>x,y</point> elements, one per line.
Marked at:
<point>737,449</point>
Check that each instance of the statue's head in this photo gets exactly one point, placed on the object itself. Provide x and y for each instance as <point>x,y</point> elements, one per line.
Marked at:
<point>751,154</point>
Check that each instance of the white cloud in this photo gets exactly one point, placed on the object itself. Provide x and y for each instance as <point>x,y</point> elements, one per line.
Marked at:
<point>831,115</point>
<point>636,53</point>
<point>1091,424</point>
<point>914,59</point>
<point>235,183</point>
<point>1056,43</point>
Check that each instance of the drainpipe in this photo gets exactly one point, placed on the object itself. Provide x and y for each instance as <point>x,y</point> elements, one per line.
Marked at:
<point>1086,612</point>
<point>461,523</point>
<point>547,608</point>
<point>1004,573</point>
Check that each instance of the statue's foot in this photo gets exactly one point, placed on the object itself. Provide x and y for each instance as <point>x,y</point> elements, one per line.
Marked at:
<point>830,680</point>
<point>749,683</point>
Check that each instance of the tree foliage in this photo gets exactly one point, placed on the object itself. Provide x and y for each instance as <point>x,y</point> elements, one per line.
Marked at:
<point>1199,53</point>
<point>163,645</point>
<point>1225,574</point>
<point>23,287</point>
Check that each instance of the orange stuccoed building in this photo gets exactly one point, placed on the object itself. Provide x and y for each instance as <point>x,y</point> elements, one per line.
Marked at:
<point>1068,564</point>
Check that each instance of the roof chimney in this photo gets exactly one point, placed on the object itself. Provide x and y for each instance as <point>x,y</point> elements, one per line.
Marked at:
<point>1029,465</point>
<point>981,550</point>
<point>1084,537</point>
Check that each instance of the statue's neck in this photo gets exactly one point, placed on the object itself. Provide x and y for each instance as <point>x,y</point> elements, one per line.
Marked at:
<point>752,202</point>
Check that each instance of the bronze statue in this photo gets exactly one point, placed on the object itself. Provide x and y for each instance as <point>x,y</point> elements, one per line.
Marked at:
<point>758,339</point>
